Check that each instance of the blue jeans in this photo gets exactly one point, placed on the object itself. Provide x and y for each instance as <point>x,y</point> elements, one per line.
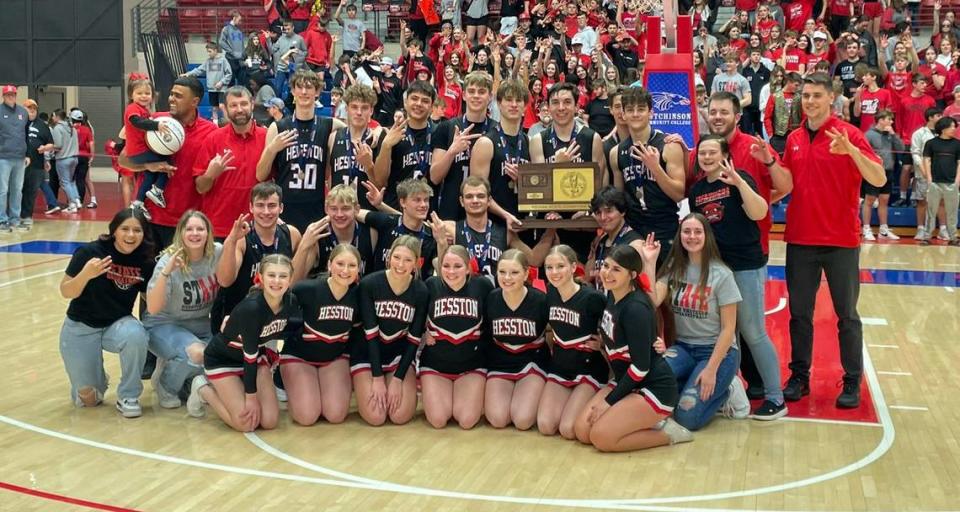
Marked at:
<point>82,346</point>
<point>11,189</point>
<point>752,328</point>
<point>170,341</point>
<point>687,361</point>
<point>65,168</point>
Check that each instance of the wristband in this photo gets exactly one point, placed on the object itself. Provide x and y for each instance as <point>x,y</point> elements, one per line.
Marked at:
<point>770,163</point>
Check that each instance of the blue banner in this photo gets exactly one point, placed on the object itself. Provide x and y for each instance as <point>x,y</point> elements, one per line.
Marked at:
<point>674,102</point>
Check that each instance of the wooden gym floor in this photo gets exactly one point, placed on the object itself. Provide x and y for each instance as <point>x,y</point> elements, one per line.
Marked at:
<point>900,452</point>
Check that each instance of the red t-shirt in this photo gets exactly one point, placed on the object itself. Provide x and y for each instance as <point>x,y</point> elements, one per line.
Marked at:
<point>763,28</point>
<point>298,12</point>
<point>181,191</point>
<point>910,114</point>
<point>746,5</point>
<point>825,202</point>
<point>230,195</point>
<point>899,83</point>
<point>136,138</point>
<point>740,151</point>
<point>840,7</point>
<point>318,46</point>
<point>954,112</point>
<point>453,96</point>
<point>85,138</point>
<point>272,14</point>
<point>796,14</point>
<point>871,103</point>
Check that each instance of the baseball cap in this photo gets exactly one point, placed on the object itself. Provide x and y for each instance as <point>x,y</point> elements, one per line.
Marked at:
<point>9,89</point>
<point>28,103</point>
<point>76,115</point>
<point>386,61</point>
<point>819,35</point>
<point>275,103</point>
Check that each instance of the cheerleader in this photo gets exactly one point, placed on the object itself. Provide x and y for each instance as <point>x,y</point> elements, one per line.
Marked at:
<point>633,411</point>
<point>316,366</point>
<point>238,362</point>
<point>516,315</point>
<point>577,369</point>
<point>393,306</point>
<point>452,372</point>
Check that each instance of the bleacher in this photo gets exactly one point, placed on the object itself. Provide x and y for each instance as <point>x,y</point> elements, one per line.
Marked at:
<point>206,110</point>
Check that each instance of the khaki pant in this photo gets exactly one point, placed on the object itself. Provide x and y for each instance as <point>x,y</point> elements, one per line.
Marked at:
<point>951,199</point>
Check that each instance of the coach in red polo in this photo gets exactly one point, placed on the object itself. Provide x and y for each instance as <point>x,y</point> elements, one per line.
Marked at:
<point>226,168</point>
<point>828,158</point>
<point>180,192</point>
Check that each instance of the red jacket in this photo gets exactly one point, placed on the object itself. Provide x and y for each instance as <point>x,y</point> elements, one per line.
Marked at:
<point>319,45</point>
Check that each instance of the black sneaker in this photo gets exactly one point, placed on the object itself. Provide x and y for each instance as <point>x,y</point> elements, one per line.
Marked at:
<point>796,389</point>
<point>769,411</point>
<point>755,392</point>
<point>850,397</point>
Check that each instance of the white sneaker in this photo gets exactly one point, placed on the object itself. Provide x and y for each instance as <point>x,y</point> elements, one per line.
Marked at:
<point>737,406</point>
<point>166,399</point>
<point>921,233</point>
<point>129,407</point>
<point>70,209</point>
<point>195,401</point>
<point>676,432</point>
<point>868,234</point>
<point>886,233</point>
<point>281,394</point>
<point>942,235</point>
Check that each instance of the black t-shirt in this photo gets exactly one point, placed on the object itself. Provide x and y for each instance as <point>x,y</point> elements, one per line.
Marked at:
<point>846,70</point>
<point>943,154</point>
<point>511,8</point>
<point>389,228</point>
<point>389,100</point>
<point>38,134</point>
<point>601,120</point>
<point>738,236</point>
<point>109,297</point>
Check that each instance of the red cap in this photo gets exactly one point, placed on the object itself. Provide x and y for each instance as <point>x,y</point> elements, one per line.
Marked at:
<point>9,89</point>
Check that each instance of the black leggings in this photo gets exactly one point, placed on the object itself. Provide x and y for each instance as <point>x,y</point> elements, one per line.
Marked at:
<point>80,176</point>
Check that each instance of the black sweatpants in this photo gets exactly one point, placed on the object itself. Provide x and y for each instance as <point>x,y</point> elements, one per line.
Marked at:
<point>80,177</point>
<point>842,268</point>
<point>32,179</point>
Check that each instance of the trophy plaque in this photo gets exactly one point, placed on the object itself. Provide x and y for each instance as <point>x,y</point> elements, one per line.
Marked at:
<point>558,187</point>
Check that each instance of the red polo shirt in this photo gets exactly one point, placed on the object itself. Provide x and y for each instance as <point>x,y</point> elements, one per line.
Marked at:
<point>230,195</point>
<point>181,192</point>
<point>824,207</point>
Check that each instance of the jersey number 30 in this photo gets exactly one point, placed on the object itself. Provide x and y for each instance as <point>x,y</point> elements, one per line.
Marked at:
<point>303,179</point>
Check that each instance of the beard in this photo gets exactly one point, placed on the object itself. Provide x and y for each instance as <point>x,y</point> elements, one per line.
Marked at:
<point>239,119</point>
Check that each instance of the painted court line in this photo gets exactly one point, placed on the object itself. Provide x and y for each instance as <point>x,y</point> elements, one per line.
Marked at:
<point>62,499</point>
<point>831,422</point>
<point>909,408</point>
<point>867,320</point>
<point>782,303</point>
<point>873,345</point>
<point>22,279</point>
<point>896,374</point>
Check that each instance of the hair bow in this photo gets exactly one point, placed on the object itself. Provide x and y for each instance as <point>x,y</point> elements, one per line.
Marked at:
<point>257,281</point>
<point>579,271</point>
<point>643,282</point>
<point>532,274</point>
<point>474,266</point>
<point>138,76</point>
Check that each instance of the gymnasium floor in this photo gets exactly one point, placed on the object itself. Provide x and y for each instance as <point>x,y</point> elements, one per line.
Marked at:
<point>898,452</point>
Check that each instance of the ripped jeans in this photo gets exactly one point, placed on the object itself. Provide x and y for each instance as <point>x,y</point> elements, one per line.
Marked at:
<point>687,361</point>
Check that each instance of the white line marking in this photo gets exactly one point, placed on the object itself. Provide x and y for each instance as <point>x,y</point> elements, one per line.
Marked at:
<point>951,265</point>
<point>874,345</point>
<point>831,422</point>
<point>896,374</point>
<point>948,288</point>
<point>779,307</point>
<point>897,263</point>
<point>22,279</point>
<point>909,408</point>
<point>867,320</point>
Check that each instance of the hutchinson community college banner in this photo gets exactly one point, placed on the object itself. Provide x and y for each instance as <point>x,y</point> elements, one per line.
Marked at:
<point>669,78</point>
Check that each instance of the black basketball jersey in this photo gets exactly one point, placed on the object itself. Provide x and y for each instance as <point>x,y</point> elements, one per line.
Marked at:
<point>328,324</point>
<point>390,318</point>
<point>300,169</point>
<point>486,246</point>
<point>344,168</point>
<point>446,195</point>
<point>410,158</point>
<point>551,143</point>
<point>455,318</point>
<point>389,228</point>
<point>605,245</point>
<point>517,330</point>
<point>628,329</point>
<point>252,330</point>
<point>361,240</point>
<point>609,144</point>
<point>249,266</point>
<point>506,148</point>
<point>649,208</point>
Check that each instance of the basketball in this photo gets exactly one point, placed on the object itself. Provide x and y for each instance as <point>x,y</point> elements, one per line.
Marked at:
<point>166,144</point>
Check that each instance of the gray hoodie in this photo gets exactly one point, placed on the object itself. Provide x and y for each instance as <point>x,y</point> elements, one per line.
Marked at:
<point>217,70</point>
<point>231,42</point>
<point>283,45</point>
<point>65,138</point>
<point>13,132</point>
<point>190,294</point>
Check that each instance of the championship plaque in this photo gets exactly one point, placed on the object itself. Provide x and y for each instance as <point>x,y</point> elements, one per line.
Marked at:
<point>558,187</point>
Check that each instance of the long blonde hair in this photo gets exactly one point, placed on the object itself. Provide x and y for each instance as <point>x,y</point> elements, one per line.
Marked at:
<point>177,243</point>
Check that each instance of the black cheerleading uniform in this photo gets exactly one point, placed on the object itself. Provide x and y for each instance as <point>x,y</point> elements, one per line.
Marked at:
<point>628,329</point>
<point>300,170</point>
<point>389,228</point>
<point>517,345</point>
<point>410,158</point>
<point>251,338</point>
<point>649,208</point>
<point>455,320</point>
<point>579,240</point>
<point>255,250</point>
<point>573,322</point>
<point>605,245</point>
<point>330,326</point>
<point>392,324</point>
<point>361,240</point>
<point>446,194</point>
<point>344,168</point>
<point>506,149</point>
<point>486,246</point>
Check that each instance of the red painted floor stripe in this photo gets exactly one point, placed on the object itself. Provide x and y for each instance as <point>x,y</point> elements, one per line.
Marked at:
<point>44,262</point>
<point>63,499</point>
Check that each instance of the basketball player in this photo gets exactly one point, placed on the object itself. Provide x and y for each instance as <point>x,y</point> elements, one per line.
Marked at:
<point>340,225</point>
<point>353,149</point>
<point>452,367</point>
<point>518,355</point>
<point>501,150</point>
<point>316,365</point>
<point>577,369</point>
<point>452,144</point>
<point>239,362</point>
<point>621,130</point>
<point>649,170</point>
<point>393,307</point>
<point>405,151</point>
<point>249,246</point>
<point>295,152</point>
<point>609,207</point>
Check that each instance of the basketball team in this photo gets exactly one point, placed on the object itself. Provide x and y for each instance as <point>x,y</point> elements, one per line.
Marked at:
<point>316,261</point>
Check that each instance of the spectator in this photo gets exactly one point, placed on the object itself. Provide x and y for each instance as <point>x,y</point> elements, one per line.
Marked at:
<point>263,94</point>
<point>887,145</point>
<point>941,157</point>
<point>66,143</point>
<point>320,49</point>
<point>757,75</point>
<point>86,145</point>
<point>733,82</point>
<point>288,53</point>
<point>39,142</point>
<point>219,75</point>
<point>920,183</point>
<point>275,108</point>
<point>231,44</point>
<point>783,114</point>
<point>354,30</point>
<point>256,57</point>
<point>299,11</point>
<point>14,129</point>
